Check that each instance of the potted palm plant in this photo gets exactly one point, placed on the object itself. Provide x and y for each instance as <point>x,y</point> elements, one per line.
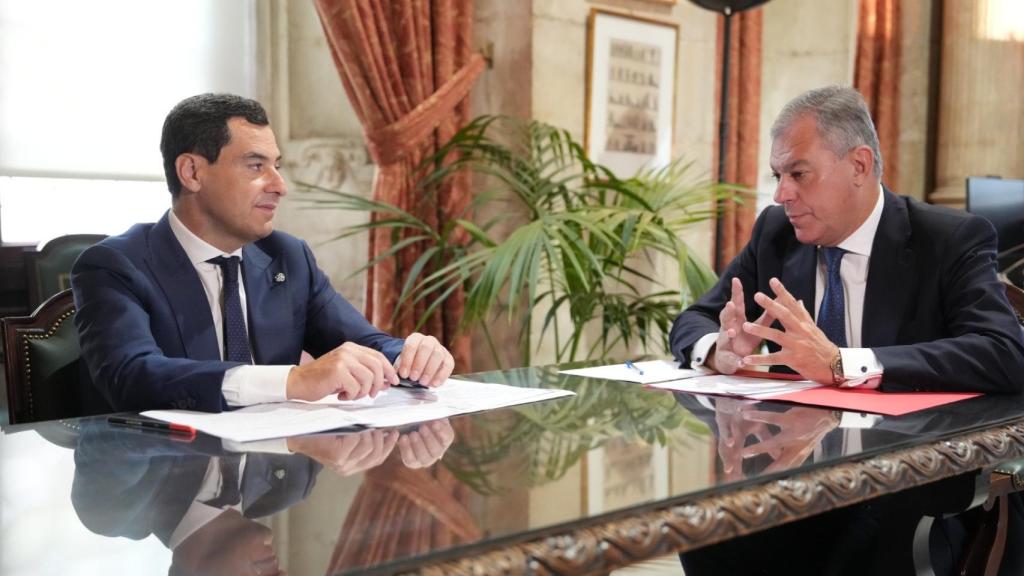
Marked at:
<point>583,250</point>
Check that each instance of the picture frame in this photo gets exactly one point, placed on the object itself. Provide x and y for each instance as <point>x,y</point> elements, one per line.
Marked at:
<point>631,87</point>
<point>624,473</point>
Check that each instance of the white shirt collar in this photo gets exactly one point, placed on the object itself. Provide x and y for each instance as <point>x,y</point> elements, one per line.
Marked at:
<point>863,237</point>
<point>197,249</point>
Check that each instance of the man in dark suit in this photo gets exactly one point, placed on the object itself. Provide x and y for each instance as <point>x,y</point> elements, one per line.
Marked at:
<point>210,307</point>
<point>197,498</point>
<point>870,289</point>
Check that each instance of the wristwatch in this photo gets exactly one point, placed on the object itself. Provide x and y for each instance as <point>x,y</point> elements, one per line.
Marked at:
<point>838,376</point>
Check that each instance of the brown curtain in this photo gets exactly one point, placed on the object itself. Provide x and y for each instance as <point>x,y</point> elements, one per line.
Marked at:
<point>877,75</point>
<point>400,512</point>
<point>407,67</point>
<point>744,116</point>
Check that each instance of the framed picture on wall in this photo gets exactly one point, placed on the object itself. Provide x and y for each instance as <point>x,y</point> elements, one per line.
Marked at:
<point>624,473</point>
<point>631,86</point>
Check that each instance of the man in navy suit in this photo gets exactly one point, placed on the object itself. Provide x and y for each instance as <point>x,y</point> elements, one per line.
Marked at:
<point>210,308</point>
<point>851,285</point>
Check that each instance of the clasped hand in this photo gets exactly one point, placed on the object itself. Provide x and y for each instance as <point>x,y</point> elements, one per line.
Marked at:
<point>348,454</point>
<point>804,347</point>
<point>352,371</point>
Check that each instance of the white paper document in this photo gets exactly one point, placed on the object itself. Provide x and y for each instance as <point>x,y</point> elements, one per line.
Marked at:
<point>745,386</point>
<point>645,372</point>
<point>392,407</point>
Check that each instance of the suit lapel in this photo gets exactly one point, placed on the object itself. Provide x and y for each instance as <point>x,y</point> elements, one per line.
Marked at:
<point>892,265</point>
<point>267,300</point>
<point>184,291</point>
<point>798,272</point>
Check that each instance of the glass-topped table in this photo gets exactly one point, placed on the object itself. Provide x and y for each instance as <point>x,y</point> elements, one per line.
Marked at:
<point>614,475</point>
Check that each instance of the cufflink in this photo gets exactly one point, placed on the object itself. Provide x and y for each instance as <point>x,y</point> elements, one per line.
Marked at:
<point>279,473</point>
<point>279,278</point>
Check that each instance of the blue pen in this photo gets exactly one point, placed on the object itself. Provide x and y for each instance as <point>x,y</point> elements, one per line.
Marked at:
<point>631,366</point>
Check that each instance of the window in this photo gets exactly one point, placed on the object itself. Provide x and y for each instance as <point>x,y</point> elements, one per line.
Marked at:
<point>84,88</point>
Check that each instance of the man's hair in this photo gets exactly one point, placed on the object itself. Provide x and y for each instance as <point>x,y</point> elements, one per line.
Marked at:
<point>199,125</point>
<point>842,116</point>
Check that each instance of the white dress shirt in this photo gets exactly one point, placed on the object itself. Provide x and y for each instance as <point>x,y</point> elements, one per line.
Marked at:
<point>860,365</point>
<point>242,385</point>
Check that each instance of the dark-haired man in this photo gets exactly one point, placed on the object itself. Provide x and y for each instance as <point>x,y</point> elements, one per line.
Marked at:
<point>210,307</point>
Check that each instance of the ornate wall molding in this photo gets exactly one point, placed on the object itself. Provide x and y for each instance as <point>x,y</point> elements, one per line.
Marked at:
<point>609,544</point>
<point>335,163</point>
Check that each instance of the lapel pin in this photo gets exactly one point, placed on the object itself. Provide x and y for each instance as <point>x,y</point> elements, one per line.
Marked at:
<point>279,277</point>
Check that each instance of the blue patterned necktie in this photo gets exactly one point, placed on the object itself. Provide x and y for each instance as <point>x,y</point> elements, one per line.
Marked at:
<point>236,340</point>
<point>832,313</point>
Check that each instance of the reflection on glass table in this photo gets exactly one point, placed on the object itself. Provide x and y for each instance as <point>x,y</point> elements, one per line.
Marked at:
<point>616,456</point>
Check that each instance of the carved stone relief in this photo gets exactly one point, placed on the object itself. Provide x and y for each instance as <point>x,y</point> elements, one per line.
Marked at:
<point>341,164</point>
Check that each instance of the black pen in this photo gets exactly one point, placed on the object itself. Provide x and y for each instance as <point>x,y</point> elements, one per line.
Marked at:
<point>152,425</point>
<point>406,383</point>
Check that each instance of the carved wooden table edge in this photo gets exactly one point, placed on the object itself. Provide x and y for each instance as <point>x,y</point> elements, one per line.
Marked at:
<point>687,525</point>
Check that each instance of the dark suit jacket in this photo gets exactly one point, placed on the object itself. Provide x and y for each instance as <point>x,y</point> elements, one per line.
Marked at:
<point>133,484</point>
<point>146,331</point>
<point>935,314</point>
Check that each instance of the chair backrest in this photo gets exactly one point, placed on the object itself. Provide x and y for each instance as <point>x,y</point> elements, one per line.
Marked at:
<point>49,269</point>
<point>1016,297</point>
<point>42,362</point>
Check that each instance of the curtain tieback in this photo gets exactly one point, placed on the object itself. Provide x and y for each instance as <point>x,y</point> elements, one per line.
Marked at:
<point>388,144</point>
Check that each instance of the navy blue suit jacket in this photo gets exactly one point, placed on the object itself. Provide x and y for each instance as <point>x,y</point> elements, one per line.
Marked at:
<point>146,330</point>
<point>935,313</point>
<point>134,484</point>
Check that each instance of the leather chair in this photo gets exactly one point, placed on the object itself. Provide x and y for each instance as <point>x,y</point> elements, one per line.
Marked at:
<point>980,530</point>
<point>49,269</point>
<point>42,367</point>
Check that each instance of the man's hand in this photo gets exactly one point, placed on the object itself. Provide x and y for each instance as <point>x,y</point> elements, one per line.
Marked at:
<point>800,430</point>
<point>351,371</point>
<point>424,446</point>
<point>425,360</point>
<point>734,344</point>
<point>347,454</point>
<point>733,430</point>
<point>805,348</point>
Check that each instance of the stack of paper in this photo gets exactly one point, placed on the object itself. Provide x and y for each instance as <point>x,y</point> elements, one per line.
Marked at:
<point>393,407</point>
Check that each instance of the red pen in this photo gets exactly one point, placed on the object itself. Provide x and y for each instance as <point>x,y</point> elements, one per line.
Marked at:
<point>152,425</point>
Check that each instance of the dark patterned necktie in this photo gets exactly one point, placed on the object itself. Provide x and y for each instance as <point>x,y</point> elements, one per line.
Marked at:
<point>236,339</point>
<point>832,313</point>
<point>230,493</point>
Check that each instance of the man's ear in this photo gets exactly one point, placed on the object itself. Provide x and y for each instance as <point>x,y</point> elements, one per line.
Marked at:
<point>188,167</point>
<point>863,160</point>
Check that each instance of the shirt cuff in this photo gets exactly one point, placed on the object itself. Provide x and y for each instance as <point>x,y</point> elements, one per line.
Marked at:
<point>273,446</point>
<point>861,368</point>
<point>248,385</point>
<point>699,352</point>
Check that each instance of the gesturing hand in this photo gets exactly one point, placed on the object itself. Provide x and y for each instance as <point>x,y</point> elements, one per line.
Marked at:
<point>733,430</point>
<point>799,430</point>
<point>804,347</point>
<point>733,343</point>
<point>425,360</point>
<point>351,371</point>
